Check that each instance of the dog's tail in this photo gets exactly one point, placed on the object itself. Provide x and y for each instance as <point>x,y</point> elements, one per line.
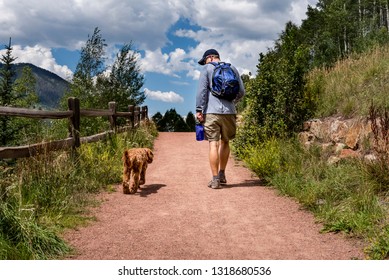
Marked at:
<point>149,155</point>
<point>125,155</point>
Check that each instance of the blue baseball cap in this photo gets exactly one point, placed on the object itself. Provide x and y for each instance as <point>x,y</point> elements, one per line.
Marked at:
<point>206,54</point>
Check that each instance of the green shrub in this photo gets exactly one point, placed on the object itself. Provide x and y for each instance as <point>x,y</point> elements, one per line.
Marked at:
<point>380,245</point>
<point>264,159</point>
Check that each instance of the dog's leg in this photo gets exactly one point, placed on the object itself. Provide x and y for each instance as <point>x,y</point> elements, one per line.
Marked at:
<point>126,187</point>
<point>126,181</point>
<point>135,182</point>
<point>126,177</point>
<point>142,180</point>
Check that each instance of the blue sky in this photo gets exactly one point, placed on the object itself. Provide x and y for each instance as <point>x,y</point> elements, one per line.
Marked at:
<point>171,37</point>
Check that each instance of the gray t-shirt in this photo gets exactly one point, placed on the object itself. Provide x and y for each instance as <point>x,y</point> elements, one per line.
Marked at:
<point>206,102</point>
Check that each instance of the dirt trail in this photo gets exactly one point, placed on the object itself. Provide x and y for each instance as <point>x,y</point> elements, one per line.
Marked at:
<point>176,216</point>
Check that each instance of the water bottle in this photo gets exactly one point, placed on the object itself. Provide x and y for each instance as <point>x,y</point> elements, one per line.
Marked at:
<point>199,132</point>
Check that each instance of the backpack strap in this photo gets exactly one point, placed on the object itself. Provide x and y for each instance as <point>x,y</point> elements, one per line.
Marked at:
<point>220,62</point>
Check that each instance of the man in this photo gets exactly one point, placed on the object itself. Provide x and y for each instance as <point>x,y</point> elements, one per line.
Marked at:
<point>218,116</point>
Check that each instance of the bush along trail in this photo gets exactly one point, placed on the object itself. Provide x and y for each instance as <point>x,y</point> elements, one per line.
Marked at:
<point>176,216</point>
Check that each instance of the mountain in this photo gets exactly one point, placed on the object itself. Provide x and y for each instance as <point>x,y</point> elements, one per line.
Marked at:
<point>49,86</point>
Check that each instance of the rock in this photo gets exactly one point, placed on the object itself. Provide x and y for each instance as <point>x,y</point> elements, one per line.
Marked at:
<point>348,153</point>
<point>333,160</point>
<point>339,147</point>
<point>370,157</point>
<point>350,137</point>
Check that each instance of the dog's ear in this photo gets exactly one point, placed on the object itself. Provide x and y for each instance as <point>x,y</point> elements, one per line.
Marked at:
<point>150,156</point>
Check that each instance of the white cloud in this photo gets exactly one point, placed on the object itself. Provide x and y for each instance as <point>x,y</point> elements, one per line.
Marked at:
<point>66,23</point>
<point>169,97</point>
<point>165,63</point>
<point>239,30</point>
<point>299,8</point>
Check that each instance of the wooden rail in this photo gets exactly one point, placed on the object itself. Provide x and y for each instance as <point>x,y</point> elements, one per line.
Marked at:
<point>135,115</point>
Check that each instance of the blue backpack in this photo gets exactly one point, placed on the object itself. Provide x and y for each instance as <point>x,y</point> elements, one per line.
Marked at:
<point>225,84</point>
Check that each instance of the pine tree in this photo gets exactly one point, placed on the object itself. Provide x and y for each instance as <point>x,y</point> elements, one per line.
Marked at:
<point>170,122</point>
<point>18,92</point>
<point>191,121</point>
<point>7,75</point>
<point>157,119</point>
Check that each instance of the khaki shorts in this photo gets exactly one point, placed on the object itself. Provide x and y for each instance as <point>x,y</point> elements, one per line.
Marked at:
<point>220,126</point>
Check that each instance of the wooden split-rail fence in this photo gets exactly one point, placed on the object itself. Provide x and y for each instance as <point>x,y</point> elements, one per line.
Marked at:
<point>135,116</point>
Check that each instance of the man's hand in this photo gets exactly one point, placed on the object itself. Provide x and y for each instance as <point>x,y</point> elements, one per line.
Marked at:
<point>200,117</point>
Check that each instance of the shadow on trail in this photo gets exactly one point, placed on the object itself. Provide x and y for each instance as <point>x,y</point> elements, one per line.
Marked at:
<point>246,183</point>
<point>146,190</point>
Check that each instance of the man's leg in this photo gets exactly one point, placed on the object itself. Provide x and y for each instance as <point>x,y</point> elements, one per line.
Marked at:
<point>214,160</point>
<point>224,154</point>
<point>214,157</point>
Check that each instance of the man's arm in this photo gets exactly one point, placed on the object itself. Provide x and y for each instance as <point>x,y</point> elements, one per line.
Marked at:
<point>202,91</point>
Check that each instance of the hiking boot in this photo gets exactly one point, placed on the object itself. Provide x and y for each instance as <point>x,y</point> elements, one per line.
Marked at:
<point>214,184</point>
<point>222,179</point>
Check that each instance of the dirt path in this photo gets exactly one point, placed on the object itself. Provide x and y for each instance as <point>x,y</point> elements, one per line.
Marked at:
<point>176,216</point>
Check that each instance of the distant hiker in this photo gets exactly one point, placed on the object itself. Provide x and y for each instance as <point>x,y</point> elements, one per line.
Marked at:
<point>219,89</point>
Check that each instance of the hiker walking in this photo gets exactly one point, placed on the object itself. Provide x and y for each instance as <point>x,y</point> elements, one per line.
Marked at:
<point>219,89</point>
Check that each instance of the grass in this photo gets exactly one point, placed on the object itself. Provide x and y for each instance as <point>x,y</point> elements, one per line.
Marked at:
<point>43,195</point>
<point>352,85</point>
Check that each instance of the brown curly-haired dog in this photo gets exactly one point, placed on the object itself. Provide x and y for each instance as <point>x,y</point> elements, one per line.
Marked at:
<point>135,163</point>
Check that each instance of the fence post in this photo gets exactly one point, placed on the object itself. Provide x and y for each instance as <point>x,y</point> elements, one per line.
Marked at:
<point>144,113</point>
<point>131,109</point>
<point>112,119</point>
<point>74,129</point>
<point>137,114</point>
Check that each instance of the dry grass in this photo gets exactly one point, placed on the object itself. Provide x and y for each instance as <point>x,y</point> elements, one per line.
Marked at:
<point>352,85</point>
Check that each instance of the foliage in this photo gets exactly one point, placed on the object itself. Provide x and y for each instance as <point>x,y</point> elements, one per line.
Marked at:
<point>6,97</point>
<point>7,75</point>
<point>264,158</point>
<point>190,121</point>
<point>124,82</point>
<point>336,29</point>
<point>49,87</point>
<point>241,105</point>
<point>91,62</point>
<point>170,122</point>
<point>95,86</point>
<point>90,65</point>
<point>18,92</point>
<point>276,102</point>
